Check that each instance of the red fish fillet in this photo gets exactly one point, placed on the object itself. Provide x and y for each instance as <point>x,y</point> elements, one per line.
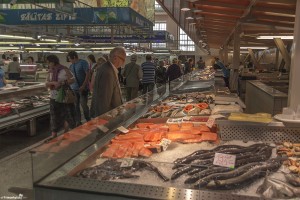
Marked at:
<point>209,136</point>
<point>144,125</point>
<point>180,136</point>
<point>145,152</point>
<point>137,147</point>
<point>110,151</point>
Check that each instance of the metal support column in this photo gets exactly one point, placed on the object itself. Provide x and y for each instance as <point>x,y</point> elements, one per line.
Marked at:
<point>225,55</point>
<point>31,127</point>
<point>294,92</point>
<point>276,61</point>
<point>234,74</point>
<point>284,52</point>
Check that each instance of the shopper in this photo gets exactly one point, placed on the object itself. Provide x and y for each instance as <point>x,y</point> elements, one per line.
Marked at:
<point>59,112</point>
<point>80,69</point>
<point>107,92</point>
<point>132,73</point>
<point>148,69</point>
<point>100,61</point>
<point>225,71</point>
<point>201,63</point>
<point>92,65</point>
<point>2,76</point>
<point>30,60</point>
<point>188,66</point>
<point>14,69</point>
<point>160,74</point>
<point>173,71</point>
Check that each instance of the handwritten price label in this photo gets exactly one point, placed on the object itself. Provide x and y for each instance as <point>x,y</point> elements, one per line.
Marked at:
<point>165,143</point>
<point>123,129</point>
<point>211,120</point>
<point>126,163</point>
<point>224,160</point>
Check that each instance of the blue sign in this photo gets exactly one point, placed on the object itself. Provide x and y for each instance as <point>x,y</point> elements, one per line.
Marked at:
<point>87,16</point>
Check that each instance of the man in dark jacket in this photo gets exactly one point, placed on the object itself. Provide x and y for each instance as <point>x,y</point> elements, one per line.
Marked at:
<point>188,66</point>
<point>133,73</point>
<point>107,92</point>
<point>173,71</point>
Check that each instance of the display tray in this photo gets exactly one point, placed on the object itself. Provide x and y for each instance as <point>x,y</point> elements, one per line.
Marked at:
<point>164,162</point>
<point>279,117</point>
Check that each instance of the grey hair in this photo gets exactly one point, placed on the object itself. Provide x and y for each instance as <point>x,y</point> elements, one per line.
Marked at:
<point>116,51</point>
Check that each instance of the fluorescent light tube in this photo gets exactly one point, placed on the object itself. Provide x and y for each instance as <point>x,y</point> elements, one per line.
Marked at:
<point>271,37</point>
<point>253,47</point>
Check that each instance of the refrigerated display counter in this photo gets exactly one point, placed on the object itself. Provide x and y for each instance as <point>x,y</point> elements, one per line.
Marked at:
<point>89,170</point>
<point>23,103</point>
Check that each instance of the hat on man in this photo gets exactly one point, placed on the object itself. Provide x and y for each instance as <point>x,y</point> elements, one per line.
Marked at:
<point>133,58</point>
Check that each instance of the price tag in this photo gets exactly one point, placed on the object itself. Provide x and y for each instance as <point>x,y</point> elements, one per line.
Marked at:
<point>126,163</point>
<point>211,120</point>
<point>224,160</point>
<point>165,143</point>
<point>123,129</point>
<point>102,128</point>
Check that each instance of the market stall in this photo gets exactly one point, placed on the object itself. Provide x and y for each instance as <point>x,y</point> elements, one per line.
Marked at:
<point>168,157</point>
<point>23,103</point>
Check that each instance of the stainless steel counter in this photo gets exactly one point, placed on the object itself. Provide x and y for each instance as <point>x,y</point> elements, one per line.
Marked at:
<point>261,96</point>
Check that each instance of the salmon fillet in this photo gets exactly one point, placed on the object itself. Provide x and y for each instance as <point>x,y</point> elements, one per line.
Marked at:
<point>193,140</point>
<point>137,147</point>
<point>145,152</point>
<point>121,151</point>
<point>174,127</point>
<point>180,136</point>
<point>209,136</point>
<point>108,153</point>
<point>144,125</point>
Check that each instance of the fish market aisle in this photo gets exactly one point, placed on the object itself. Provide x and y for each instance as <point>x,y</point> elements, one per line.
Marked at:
<point>16,177</point>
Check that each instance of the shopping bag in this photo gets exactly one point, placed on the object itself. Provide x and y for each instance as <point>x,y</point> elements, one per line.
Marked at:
<point>60,95</point>
<point>69,95</point>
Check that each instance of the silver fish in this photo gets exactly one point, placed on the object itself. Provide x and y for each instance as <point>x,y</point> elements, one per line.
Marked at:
<point>275,188</point>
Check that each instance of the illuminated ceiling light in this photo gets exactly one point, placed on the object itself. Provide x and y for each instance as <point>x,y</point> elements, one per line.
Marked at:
<point>11,45</point>
<point>76,44</point>
<point>101,48</point>
<point>16,37</point>
<point>54,43</point>
<point>37,45</point>
<point>254,47</point>
<point>9,48</point>
<point>197,11</point>
<point>37,48</point>
<point>21,42</point>
<point>70,48</point>
<point>189,18</point>
<point>185,9</point>
<point>199,18</point>
<point>271,37</point>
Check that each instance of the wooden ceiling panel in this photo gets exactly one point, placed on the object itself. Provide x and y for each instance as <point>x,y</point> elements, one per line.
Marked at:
<point>220,18</point>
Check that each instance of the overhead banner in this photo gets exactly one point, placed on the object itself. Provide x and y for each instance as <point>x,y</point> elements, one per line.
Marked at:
<point>97,16</point>
<point>156,36</point>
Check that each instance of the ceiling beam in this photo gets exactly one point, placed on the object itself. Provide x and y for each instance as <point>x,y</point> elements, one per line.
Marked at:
<point>275,11</point>
<point>293,2</point>
<point>218,4</point>
<point>271,25</point>
<point>246,13</point>
<point>220,14</point>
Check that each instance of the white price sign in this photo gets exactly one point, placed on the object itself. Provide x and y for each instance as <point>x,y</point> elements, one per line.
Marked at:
<point>224,160</point>
<point>165,143</point>
<point>123,129</point>
<point>126,163</point>
<point>211,120</point>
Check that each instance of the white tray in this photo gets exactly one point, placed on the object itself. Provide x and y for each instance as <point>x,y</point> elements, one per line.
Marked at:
<point>280,118</point>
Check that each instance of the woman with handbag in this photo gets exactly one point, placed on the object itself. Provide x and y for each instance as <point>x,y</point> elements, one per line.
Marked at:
<point>62,108</point>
